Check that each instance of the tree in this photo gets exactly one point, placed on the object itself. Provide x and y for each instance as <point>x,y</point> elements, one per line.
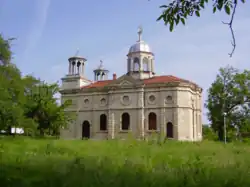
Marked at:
<point>5,52</point>
<point>28,102</point>
<point>208,133</point>
<point>229,94</point>
<point>11,90</point>
<point>59,118</point>
<point>11,97</point>
<point>180,10</point>
<point>43,108</point>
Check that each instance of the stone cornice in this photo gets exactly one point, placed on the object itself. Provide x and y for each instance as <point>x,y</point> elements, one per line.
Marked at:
<point>140,52</point>
<point>69,78</point>
<point>161,86</point>
<point>132,108</point>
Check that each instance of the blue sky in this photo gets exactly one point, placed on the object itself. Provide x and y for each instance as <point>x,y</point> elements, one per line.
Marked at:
<point>48,32</point>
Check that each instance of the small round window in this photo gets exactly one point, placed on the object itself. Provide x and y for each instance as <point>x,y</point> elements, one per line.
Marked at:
<point>86,101</point>
<point>125,99</point>
<point>168,99</point>
<point>103,101</point>
<point>151,98</point>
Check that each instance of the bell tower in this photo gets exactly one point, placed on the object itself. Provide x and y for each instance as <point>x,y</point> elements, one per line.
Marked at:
<point>76,65</point>
<point>75,78</point>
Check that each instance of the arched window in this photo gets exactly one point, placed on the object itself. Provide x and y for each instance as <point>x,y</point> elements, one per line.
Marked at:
<point>129,65</point>
<point>152,125</point>
<point>103,122</point>
<point>98,76</point>
<point>125,121</point>
<point>170,130</point>
<point>103,74</point>
<point>73,67</point>
<point>136,64</point>
<point>145,64</point>
<point>78,67</point>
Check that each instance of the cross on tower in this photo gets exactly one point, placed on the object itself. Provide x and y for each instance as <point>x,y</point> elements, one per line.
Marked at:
<point>101,66</point>
<point>77,52</point>
<point>140,30</point>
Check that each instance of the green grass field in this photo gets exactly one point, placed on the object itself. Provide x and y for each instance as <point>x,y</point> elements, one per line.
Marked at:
<point>61,163</point>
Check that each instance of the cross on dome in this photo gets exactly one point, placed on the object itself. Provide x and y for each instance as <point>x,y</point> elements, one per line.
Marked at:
<point>101,64</point>
<point>140,30</point>
<point>140,45</point>
<point>100,73</point>
<point>100,67</point>
<point>77,52</point>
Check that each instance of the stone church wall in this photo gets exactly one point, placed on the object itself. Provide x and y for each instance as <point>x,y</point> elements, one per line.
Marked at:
<point>179,106</point>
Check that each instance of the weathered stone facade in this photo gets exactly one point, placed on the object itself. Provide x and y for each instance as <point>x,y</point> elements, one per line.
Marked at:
<point>137,104</point>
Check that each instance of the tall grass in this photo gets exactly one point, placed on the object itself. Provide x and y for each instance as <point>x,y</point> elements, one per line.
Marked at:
<point>61,163</point>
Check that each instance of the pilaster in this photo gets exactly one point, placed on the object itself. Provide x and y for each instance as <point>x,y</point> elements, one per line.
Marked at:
<point>162,117</point>
<point>175,123</point>
<point>194,120</point>
<point>199,126</point>
<point>75,127</point>
<point>111,124</point>
<point>162,123</point>
<point>196,124</point>
<point>111,118</point>
<point>141,117</point>
<point>141,67</point>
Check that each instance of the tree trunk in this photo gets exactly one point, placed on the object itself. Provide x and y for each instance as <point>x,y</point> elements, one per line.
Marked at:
<point>221,132</point>
<point>41,132</point>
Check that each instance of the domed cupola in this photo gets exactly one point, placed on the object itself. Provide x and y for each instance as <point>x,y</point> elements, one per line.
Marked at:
<point>100,73</point>
<point>140,46</point>
<point>140,63</point>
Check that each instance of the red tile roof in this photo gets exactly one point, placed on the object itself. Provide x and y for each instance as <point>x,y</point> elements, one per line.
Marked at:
<point>153,80</point>
<point>163,79</point>
<point>98,84</point>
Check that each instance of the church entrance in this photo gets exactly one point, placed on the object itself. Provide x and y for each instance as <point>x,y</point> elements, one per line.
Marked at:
<point>85,130</point>
<point>170,130</point>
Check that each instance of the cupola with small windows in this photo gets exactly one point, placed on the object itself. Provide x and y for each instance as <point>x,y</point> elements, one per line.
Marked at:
<point>100,73</point>
<point>140,62</point>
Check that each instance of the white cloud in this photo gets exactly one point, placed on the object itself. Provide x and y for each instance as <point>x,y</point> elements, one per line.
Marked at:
<point>41,10</point>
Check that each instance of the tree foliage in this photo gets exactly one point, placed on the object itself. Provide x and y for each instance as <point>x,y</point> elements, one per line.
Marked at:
<point>208,133</point>
<point>179,10</point>
<point>28,102</point>
<point>5,52</point>
<point>43,108</point>
<point>229,95</point>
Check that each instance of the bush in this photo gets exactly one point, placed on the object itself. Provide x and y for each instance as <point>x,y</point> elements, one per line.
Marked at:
<point>208,133</point>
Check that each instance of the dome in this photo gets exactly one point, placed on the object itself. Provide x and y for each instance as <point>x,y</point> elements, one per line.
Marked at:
<point>140,46</point>
<point>100,67</point>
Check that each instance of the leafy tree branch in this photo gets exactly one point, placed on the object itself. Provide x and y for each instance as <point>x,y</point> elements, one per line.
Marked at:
<point>179,10</point>
<point>5,52</point>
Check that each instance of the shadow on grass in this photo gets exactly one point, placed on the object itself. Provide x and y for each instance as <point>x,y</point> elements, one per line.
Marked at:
<point>94,172</point>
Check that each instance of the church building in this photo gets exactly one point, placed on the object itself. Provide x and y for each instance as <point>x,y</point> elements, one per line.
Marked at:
<point>139,103</point>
